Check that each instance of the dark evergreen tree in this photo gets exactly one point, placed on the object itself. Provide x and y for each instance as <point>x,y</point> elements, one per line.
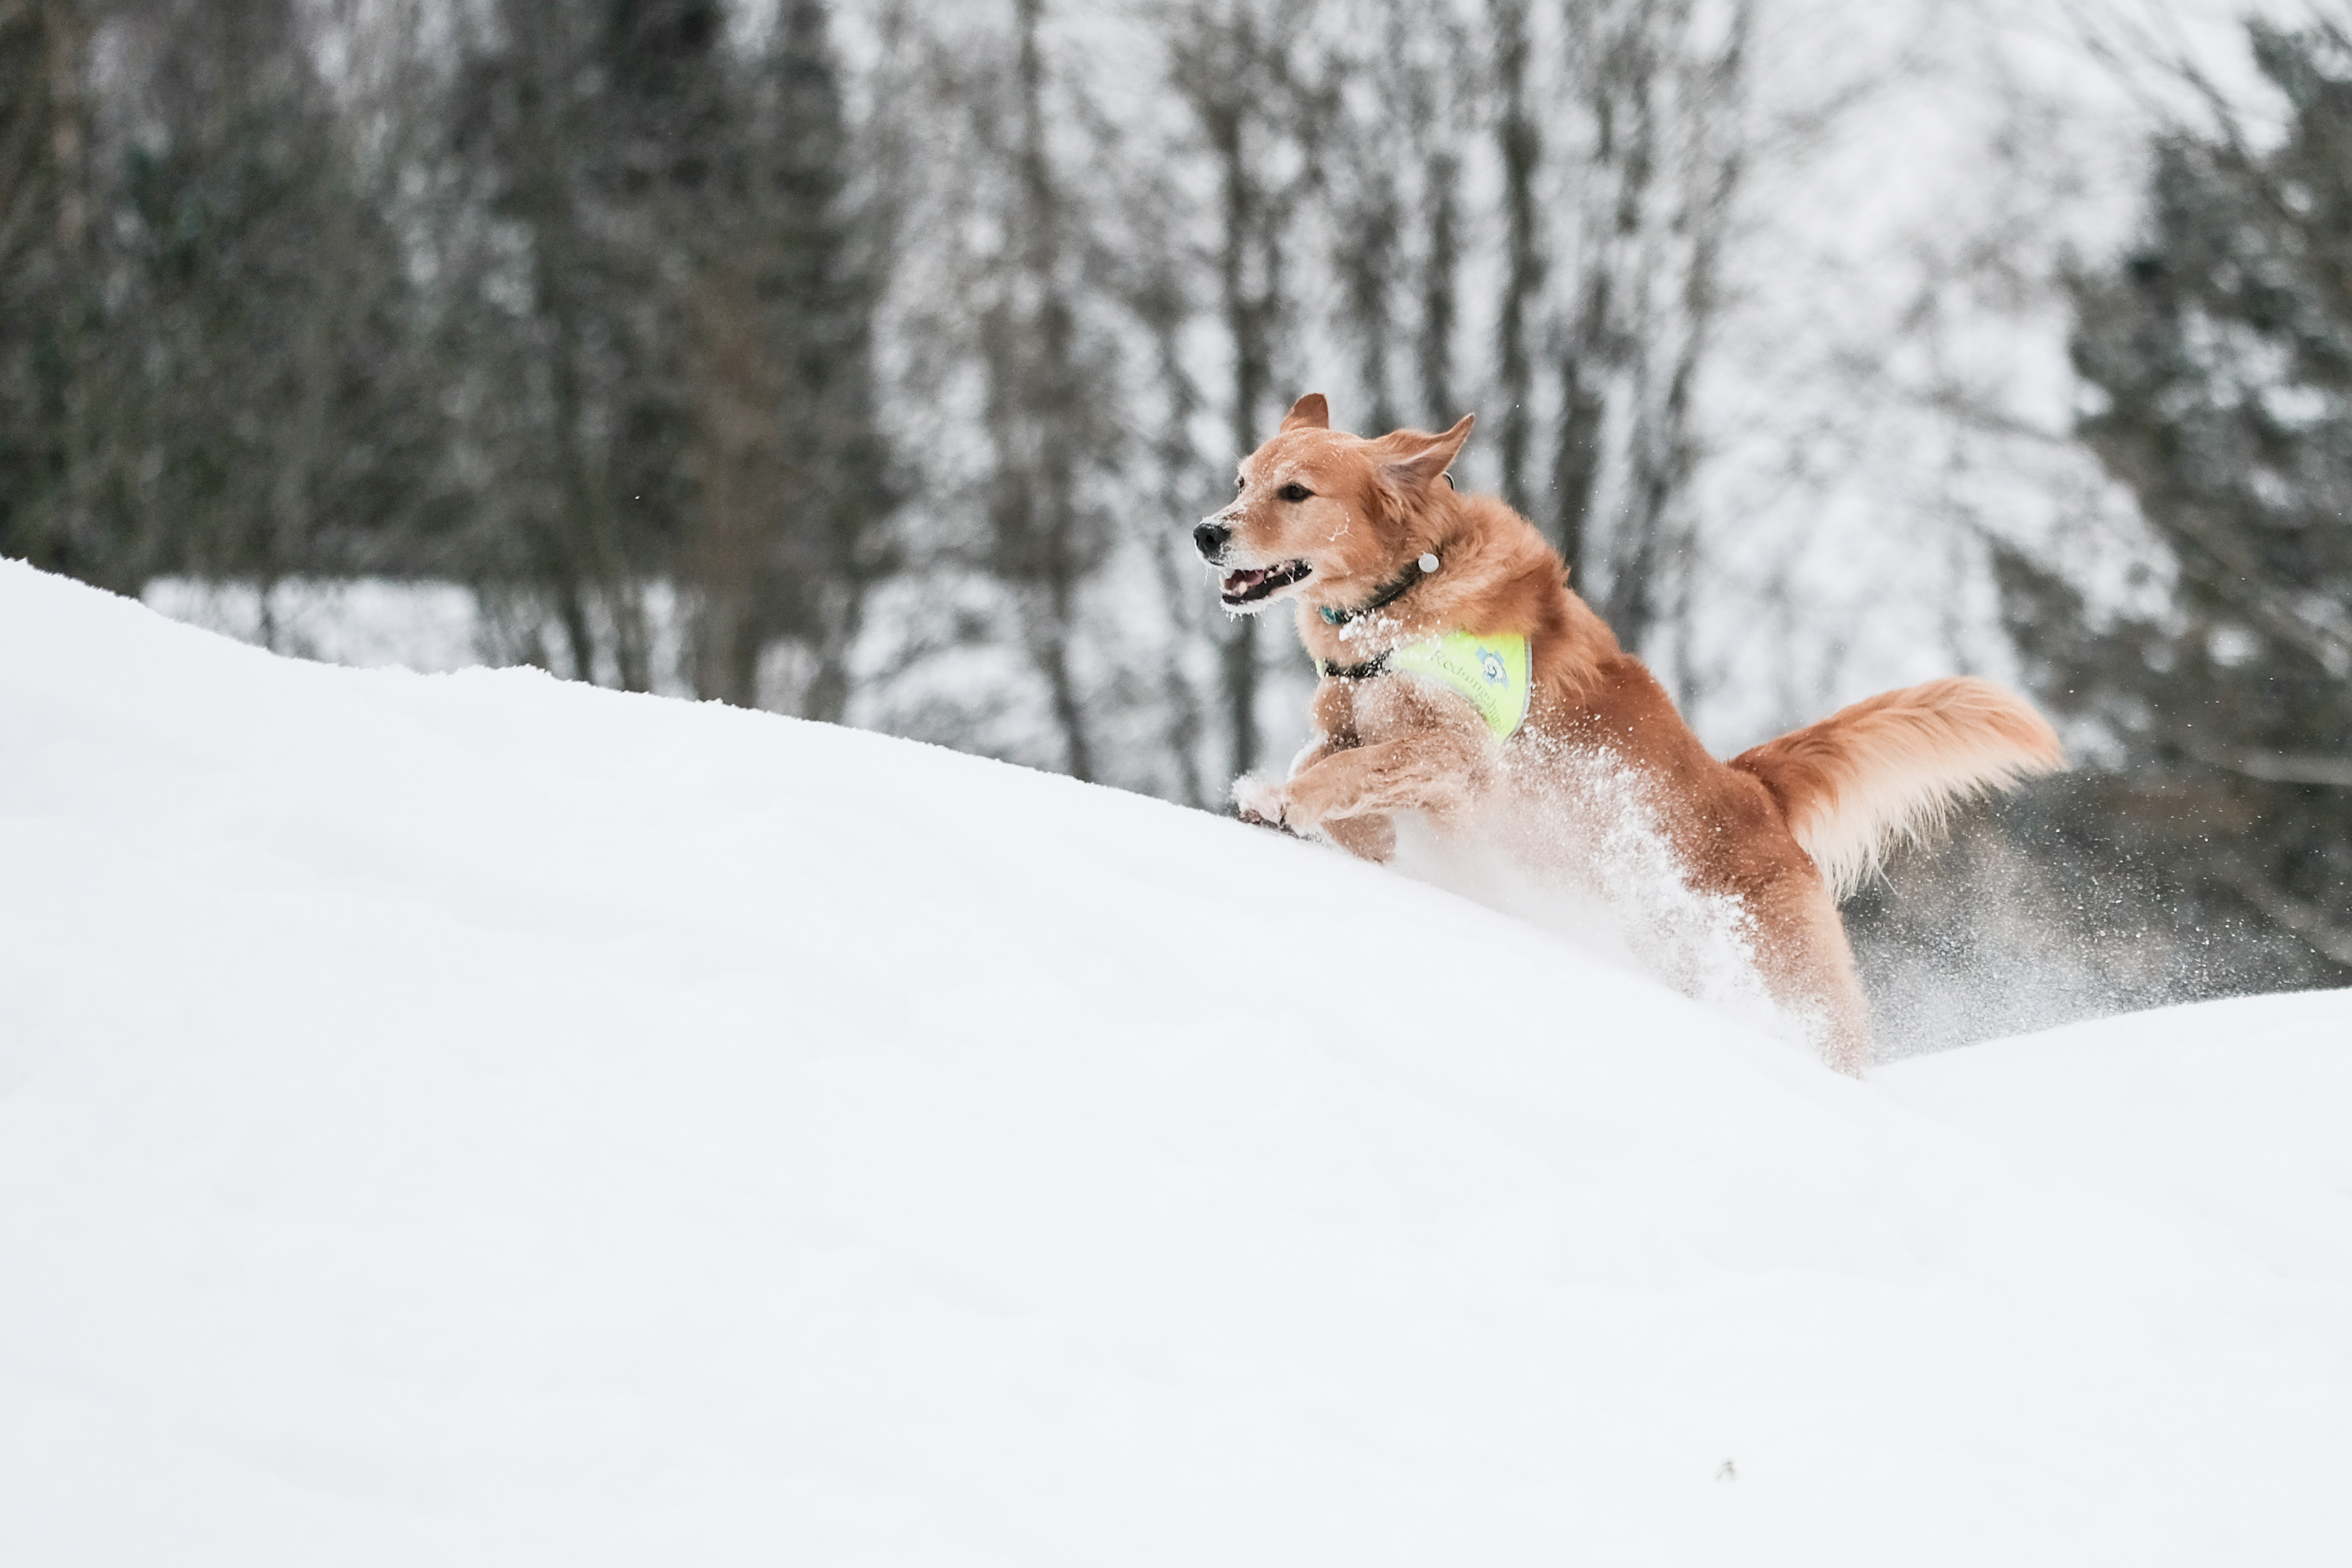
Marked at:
<point>274,422</point>
<point>582,131</point>
<point>2221,348</point>
<point>654,161</point>
<point>790,526</point>
<point>47,306</point>
<point>688,375</point>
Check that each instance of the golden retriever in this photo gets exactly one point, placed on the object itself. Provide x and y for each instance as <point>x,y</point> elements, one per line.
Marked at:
<point>1458,670</point>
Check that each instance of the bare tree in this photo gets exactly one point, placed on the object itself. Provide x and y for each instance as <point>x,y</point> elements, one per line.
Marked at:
<point>1520,144</point>
<point>1705,75</point>
<point>1235,66</point>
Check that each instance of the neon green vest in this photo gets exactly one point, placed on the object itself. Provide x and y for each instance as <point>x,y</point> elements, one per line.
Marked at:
<point>1495,673</point>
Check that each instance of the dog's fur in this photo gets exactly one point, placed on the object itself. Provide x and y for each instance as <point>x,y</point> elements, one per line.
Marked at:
<point>1326,518</point>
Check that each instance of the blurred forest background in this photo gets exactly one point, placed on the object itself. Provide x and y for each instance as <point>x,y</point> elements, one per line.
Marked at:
<point>869,361</point>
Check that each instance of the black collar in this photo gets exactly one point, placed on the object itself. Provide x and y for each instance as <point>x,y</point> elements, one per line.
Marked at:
<point>1380,600</point>
<point>1363,671</point>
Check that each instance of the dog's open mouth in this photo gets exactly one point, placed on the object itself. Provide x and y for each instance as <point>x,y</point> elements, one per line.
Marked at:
<point>1249,587</point>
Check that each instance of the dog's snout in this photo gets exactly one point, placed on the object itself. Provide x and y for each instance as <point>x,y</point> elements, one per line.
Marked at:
<point>1211,539</point>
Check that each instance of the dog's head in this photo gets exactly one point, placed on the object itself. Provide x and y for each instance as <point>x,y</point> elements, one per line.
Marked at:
<point>1325,516</point>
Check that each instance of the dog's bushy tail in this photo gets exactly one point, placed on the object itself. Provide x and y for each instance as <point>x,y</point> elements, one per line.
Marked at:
<point>1891,768</point>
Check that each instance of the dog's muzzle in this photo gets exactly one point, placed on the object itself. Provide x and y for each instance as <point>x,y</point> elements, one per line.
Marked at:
<point>1244,585</point>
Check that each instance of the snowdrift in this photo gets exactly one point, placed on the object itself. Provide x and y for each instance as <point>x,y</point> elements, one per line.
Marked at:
<point>473,1119</point>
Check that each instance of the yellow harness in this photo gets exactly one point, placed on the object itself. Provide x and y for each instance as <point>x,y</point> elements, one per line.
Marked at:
<point>1495,673</point>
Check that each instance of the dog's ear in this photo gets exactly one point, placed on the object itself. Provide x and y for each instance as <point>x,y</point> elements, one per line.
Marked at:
<point>1415,460</point>
<point>1309,412</point>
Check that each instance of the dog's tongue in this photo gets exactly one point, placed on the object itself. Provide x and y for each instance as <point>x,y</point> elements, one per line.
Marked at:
<point>1242,582</point>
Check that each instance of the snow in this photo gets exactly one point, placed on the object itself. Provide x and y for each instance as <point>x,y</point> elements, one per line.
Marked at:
<point>476,1119</point>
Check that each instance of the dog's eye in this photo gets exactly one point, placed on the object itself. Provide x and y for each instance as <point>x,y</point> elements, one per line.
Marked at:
<point>1295,493</point>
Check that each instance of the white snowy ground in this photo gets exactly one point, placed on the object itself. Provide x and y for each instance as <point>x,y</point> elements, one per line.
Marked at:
<point>472,1119</point>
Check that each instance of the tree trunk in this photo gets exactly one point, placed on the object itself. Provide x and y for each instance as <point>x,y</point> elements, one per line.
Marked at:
<point>1522,154</point>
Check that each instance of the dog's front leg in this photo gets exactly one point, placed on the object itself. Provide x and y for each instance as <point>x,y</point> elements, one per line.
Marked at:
<point>1260,801</point>
<point>1265,802</point>
<point>1436,770</point>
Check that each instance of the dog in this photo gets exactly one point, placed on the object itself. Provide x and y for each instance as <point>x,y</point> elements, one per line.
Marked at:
<point>1458,671</point>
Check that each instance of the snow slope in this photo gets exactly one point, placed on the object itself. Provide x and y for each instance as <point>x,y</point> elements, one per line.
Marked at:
<point>473,1119</point>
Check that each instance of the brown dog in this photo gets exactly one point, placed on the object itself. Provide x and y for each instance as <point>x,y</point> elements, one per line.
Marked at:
<point>1459,672</point>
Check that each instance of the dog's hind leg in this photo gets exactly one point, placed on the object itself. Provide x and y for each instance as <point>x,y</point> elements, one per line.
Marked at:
<point>1808,966</point>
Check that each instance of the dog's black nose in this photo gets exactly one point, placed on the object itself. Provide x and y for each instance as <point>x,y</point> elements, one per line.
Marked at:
<point>1210,539</point>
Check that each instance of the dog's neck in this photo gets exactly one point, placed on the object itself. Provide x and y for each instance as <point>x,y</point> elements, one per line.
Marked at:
<point>1496,575</point>
<point>1437,555</point>
<point>1387,595</point>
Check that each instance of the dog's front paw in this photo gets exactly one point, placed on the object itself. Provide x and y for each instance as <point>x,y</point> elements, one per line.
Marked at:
<point>1262,802</point>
